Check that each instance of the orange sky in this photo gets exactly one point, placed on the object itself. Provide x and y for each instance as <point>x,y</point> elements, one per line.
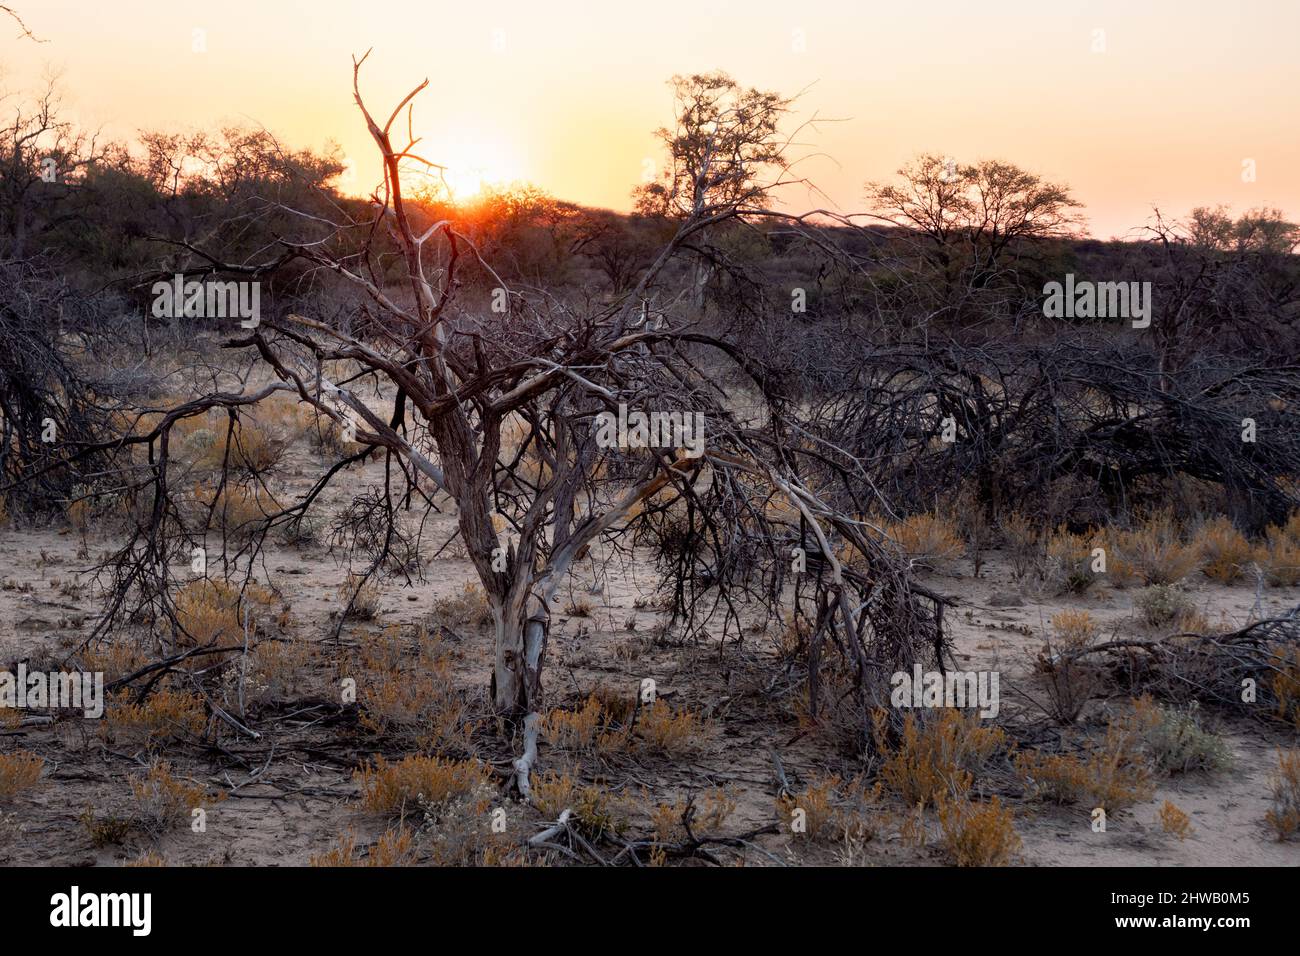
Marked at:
<point>567,93</point>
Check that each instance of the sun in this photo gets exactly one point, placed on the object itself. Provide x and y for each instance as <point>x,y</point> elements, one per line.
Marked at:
<point>472,168</point>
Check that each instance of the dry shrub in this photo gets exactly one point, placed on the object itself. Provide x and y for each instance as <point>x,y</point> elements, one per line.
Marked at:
<point>417,701</point>
<point>925,538</point>
<point>1159,604</point>
<point>360,596</point>
<point>1156,552</point>
<point>1068,562</point>
<point>1074,630</point>
<point>419,781</point>
<point>275,671</point>
<point>1023,542</point>
<point>578,607</point>
<point>210,612</point>
<point>617,706</point>
<point>815,807</point>
<point>299,531</point>
<point>80,515</point>
<point>528,465</point>
<point>777,507</point>
<point>667,732</point>
<point>1115,776</point>
<point>1281,556</point>
<point>596,811</point>
<point>575,729</point>
<point>942,753</point>
<point>284,415</point>
<point>467,608</point>
<point>162,801</point>
<point>1225,551</point>
<point>19,771</point>
<point>240,511</point>
<point>106,830</point>
<point>1174,821</point>
<point>1286,682</point>
<point>831,810</point>
<point>976,834</point>
<point>791,642</point>
<point>331,438</point>
<point>970,519</point>
<point>1070,680</point>
<point>1284,792</point>
<point>113,660</point>
<point>208,444</point>
<point>714,807</point>
<point>666,823</point>
<point>150,859</point>
<point>463,835</point>
<point>164,717</point>
<point>394,848</point>
<point>1175,742</point>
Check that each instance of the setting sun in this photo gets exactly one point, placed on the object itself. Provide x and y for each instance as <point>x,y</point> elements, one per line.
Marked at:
<point>472,167</point>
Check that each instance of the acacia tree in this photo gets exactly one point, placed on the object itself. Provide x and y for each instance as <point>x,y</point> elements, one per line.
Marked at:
<point>498,410</point>
<point>963,220</point>
<point>726,156</point>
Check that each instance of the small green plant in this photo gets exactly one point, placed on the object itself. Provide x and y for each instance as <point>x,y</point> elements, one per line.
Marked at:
<point>1159,604</point>
<point>1176,742</point>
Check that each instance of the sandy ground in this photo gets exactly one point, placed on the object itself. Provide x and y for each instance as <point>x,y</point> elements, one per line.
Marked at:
<point>292,790</point>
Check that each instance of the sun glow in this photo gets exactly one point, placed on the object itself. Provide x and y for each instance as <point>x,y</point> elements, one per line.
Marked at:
<point>472,168</point>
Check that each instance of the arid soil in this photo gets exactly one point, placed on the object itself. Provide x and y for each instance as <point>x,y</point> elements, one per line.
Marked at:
<point>291,792</point>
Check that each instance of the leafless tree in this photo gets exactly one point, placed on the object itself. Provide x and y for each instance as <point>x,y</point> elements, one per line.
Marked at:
<point>963,222</point>
<point>42,158</point>
<point>499,410</point>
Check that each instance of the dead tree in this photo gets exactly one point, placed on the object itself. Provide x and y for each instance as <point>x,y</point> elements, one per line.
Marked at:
<point>507,411</point>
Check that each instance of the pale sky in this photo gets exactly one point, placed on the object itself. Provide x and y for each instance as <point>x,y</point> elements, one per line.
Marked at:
<point>567,93</point>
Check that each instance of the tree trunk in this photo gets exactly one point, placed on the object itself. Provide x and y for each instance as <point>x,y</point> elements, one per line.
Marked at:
<point>517,674</point>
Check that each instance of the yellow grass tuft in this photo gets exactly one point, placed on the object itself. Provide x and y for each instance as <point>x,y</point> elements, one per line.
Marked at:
<point>394,848</point>
<point>211,612</point>
<point>977,834</point>
<point>418,780</point>
<point>1225,552</point>
<point>943,753</point>
<point>19,771</point>
<point>1156,552</point>
<point>238,510</point>
<point>1281,556</point>
<point>162,801</point>
<point>1174,821</point>
<point>164,717</point>
<point>926,538</point>
<point>1115,776</point>
<point>665,731</point>
<point>1284,791</point>
<point>595,810</point>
